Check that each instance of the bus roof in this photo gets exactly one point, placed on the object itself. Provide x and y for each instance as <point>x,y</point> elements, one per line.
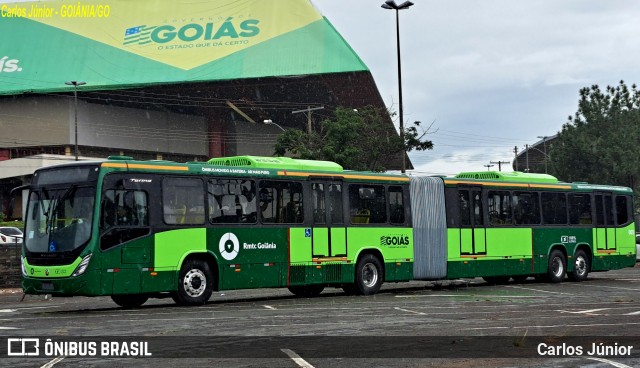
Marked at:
<point>254,165</point>
<point>527,180</point>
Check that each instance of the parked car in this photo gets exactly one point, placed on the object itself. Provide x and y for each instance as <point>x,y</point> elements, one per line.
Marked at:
<point>10,235</point>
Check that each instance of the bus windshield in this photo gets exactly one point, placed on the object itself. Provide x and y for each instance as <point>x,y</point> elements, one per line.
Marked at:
<point>59,220</point>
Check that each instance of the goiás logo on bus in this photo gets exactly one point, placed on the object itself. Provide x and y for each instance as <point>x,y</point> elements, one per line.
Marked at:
<point>9,65</point>
<point>394,241</point>
<point>225,32</point>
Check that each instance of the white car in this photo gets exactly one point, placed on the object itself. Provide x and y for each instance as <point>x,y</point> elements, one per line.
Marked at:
<point>10,235</point>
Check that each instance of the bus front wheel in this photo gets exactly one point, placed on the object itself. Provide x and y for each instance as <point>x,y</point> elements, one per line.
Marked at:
<point>195,283</point>
<point>129,300</point>
<point>369,275</point>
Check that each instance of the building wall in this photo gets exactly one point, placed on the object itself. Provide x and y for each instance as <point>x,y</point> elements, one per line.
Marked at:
<point>49,121</point>
<point>34,121</point>
<point>143,130</point>
<point>251,139</point>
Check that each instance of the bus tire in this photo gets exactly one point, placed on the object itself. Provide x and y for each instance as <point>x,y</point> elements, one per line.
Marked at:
<point>580,267</point>
<point>129,300</point>
<point>369,275</point>
<point>557,267</point>
<point>195,283</point>
<point>306,291</point>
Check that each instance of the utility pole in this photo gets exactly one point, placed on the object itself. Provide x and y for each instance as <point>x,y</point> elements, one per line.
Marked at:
<point>526,150</point>
<point>308,114</point>
<point>515,158</point>
<point>488,166</point>
<point>499,163</point>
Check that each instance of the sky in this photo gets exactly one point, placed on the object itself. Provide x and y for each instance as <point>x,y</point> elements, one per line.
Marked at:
<point>490,74</point>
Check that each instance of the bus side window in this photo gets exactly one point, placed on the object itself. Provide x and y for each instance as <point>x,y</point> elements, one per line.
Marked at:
<point>124,208</point>
<point>108,213</point>
<point>580,209</point>
<point>367,204</point>
<point>396,205</point>
<point>499,205</point>
<point>281,202</point>
<point>622,210</point>
<point>183,201</point>
<point>526,209</point>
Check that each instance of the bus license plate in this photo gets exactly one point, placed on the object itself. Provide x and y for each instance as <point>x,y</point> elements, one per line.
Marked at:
<point>47,286</point>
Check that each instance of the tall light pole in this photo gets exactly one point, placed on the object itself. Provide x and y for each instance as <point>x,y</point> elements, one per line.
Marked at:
<point>544,142</point>
<point>391,4</point>
<point>270,122</point>
<point>75,85</point>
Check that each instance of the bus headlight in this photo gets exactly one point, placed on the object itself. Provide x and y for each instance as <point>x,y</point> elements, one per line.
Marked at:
<point>82,266</point>
<point>23,267</point>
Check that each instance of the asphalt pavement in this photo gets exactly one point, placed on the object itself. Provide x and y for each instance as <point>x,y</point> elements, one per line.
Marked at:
<point>457,323</point>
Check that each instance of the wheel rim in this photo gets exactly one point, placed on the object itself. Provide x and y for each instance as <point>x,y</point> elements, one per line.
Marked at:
<point>581,266</point>
<point>557,268</point>
<point>195,282</point>
<point>369,275</point>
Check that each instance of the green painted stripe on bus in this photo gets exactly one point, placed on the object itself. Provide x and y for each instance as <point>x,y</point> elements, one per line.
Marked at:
<point>172,246</point>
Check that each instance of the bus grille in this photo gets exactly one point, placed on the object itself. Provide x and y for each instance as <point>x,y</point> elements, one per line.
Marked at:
<point>333,273</point>
<point>297,274</point>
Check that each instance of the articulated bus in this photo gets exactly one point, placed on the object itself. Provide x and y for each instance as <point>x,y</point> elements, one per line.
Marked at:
<point>139,229</point>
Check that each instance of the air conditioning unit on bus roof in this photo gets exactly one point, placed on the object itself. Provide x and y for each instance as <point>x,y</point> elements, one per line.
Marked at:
<point>508,176</point>
<point>283,163</point>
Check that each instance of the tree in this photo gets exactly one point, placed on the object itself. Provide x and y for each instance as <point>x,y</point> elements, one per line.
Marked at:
<point>357,140</point>
<point>601,143</point>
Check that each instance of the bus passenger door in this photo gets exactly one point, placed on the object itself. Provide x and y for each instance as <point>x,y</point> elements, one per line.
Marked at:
<point>605,232</point>
<point>337,228</point>
<point>472,232</point>
<point>329,231</point>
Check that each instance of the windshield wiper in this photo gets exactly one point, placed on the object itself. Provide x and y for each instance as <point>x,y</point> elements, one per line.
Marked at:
<point>58,201</point>
<point>47,212</point>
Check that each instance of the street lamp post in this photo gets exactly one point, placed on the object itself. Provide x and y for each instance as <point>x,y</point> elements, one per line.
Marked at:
<point>391,4</point>
<point>75,85</point>
<point>489,166</point>
<point>270,122</point>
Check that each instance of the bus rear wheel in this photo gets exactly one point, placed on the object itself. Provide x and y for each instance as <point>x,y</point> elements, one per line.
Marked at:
<point>195,283</point>
<point>557,267</point>
<point>306,291</point>
<point>580,267</point>
<point>129,300</point>
<point>369,275</point>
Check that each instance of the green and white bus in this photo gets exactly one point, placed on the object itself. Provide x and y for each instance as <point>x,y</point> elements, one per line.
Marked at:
<point>139,229</point>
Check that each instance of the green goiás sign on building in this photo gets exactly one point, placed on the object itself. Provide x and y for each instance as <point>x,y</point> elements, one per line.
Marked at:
<point>119,43</point>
